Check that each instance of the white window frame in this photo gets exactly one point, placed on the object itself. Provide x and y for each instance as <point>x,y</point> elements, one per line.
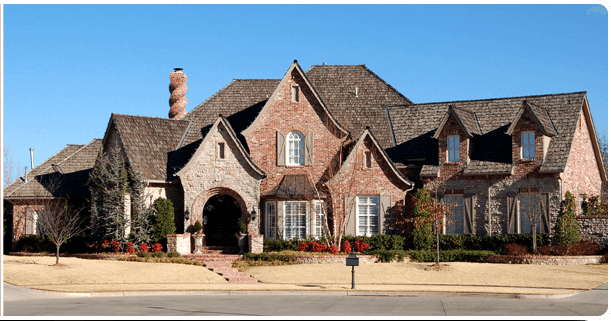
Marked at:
<point>271,212</point>
<point>454,151</point>
<point>370,216</point>
<point>524,217</point>
<point>528,150</point>
<point>295,148</point>
<point>318,215</point>
<point>452,228</point>
<point>290,223</point>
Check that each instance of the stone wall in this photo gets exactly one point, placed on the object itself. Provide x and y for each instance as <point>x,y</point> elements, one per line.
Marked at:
<point>180,243</point>
<point>330,259</point>
<point>255,244</point>
<point>548,260</point>
<point>594,228</point>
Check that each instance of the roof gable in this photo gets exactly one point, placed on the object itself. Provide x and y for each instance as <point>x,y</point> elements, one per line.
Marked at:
<point>294,67</point>
<point>466,120</point>
<point>539,114</point>
<point>221,122</point>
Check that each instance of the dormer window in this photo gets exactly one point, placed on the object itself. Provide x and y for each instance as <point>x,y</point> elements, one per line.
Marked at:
<point>295,94</point>
<point>453,149</point>
<point>528,145</point>
<point>295,150</point>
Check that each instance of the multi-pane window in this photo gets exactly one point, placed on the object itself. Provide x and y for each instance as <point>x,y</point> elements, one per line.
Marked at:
<point>31,223</point>
<point>295,214</point>
<point>455,223</point>
<point>295,94</point>
<point>453,148</point>
<point>295,150</point>
<point>368,215</point>
<point>529,207</point>
<point>528,145</point>
<point>270,220</point>
<point>319,216</point>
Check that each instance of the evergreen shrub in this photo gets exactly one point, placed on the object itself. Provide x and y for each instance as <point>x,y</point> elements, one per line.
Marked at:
<point>163,222</point>
<point>566,230</point>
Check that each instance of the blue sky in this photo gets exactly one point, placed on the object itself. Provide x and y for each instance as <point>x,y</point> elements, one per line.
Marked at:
<point>66,68</point>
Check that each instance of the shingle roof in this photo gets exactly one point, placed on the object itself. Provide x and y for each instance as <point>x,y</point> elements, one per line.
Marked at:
<point>539,114</point>
<point>414,126</point>
<point>294,186</point>
<point>337,86</point>
<point>66,172</point>
<point>466,119</point>
<point>147,142</point>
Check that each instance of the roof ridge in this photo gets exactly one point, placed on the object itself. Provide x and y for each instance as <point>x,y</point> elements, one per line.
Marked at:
<point>246,79</point>
<point>486,99</point>
<point>151,117</point>
<point>209,98</point>
<point>75,152</point>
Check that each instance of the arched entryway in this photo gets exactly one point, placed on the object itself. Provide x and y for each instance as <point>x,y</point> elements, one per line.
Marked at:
<point>221,215</point>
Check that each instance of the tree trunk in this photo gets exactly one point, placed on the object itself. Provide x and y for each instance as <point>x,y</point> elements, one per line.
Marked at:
<point>534,231</point>
<point>437,245</point>
<point>57,253</point>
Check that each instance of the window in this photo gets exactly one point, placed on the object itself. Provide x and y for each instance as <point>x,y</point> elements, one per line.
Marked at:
<point>455,226</point>
<point>453,148</point>
<point>295,214</point>
<point>31,223</point>
<point>319,213</point>
<point>368,209</point>
<point>368,159</point>
<point>295,150</point>
<point>270,220</point>
<point>528,145</point>
<point>295,94</point>
<point>222,150</point>
<point>529,206</point>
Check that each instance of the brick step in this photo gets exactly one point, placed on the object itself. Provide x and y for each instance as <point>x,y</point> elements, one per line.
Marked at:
<point>221,269</point>
<point>218,265</point>
<point>242,280</point>
<point>215,255</point>
<point>235,274</point>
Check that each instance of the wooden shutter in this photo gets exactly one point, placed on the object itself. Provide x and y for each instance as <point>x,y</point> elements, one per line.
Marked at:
<point>544,219</point>
<point>350,215</point>
<point>468,210</point>
<point>280,220</point>
<point>308,157</point>
<point>512,213</point>
<point>280,149</point>
<point>385,212</point>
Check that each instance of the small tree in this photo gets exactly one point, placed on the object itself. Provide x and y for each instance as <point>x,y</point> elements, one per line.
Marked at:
<point>422,235</point>
<point>531,207</point>
<point>163,223</point>
<point>566,230</point>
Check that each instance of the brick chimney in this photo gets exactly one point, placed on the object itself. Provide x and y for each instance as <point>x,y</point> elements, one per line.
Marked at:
<point>178,88</point>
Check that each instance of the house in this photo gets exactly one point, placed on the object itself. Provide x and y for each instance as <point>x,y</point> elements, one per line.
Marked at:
<point>338,148</point>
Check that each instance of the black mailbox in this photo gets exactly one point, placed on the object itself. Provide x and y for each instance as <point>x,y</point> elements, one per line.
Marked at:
<point>352,260</point>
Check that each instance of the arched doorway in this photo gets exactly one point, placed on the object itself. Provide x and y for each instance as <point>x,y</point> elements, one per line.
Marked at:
<point>221,214</point>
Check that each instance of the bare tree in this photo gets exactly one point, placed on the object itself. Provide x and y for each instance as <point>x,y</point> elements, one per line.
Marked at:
<point>531,207</point>
<point>602,137</point>
<point>10,166</point>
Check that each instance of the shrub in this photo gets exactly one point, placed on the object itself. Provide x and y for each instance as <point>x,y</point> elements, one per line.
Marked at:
<point>317,247</point>
<point>390,255</point>
<point>35,243</point>
<point>422,237</point>
<point>129,247</point>
<point>360,245</point>
<point>173,254</point>
<point>269,257</point>
<point>157,247</point>
<point>494,243</point>
<point>333,249</point>
<point>163,223</point>
<point>346,247</point>
<point>143,247</point>
<point>197,227</point>
<point>566,230</point>
<point>116,246</point>
<point>158,254</point>
<point>594,206</point>
<point>515,249</point>
<point>303,247</point>
<point>270,245</point>
<point>580,248</point>
<point>143,254</point>
<point>450,256</point>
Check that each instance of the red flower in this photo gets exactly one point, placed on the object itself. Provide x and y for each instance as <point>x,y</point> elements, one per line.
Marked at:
<point>303,247</point>
<point>130,247</point>
<point>157,247</point>
<point>346,247</point>
<point>361,245</point>
<point>116,246</point>
<point>143,247</point>
<point>317,247</point>
<point>333,249</point>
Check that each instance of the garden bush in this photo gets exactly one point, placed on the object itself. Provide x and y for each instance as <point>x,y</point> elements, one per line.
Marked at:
<point>495,243</point>
<point>450,256</point>
<point>566,230</point>
<point>515,249</point>
<point>173,254</point>
<point>422,237</point>
<point>35,243</point>
<point>390,255</point>
<point>163,222</point>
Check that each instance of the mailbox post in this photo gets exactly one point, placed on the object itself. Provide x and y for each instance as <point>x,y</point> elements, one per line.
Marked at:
<point>352,260</point>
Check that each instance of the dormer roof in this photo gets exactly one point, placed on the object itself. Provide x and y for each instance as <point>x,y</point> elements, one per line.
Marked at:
<point>540,116</point>
<point>467,120</point>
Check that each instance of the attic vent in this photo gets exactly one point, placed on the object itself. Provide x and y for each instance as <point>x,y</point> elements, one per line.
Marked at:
<point>356,92</point>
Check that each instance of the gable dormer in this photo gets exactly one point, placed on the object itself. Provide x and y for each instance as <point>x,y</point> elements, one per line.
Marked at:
<point>531,133</point>
<point>455,135</point>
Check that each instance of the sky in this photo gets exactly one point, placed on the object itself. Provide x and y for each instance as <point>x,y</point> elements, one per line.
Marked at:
<point>66,68</point>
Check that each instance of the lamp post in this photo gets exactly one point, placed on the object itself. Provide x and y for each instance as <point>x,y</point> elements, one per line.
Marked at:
<point>352,260</point>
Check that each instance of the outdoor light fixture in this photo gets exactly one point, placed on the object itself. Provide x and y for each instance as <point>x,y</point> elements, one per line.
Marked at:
<point>205,219</point>
<point>352,260</point>
<point>253,214</point>
<point>187,213</point>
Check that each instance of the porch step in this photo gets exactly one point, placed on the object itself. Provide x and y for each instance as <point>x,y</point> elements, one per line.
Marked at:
<point>221,265</point>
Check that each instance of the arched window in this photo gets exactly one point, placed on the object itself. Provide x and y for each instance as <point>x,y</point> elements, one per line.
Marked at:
<point>295,150</point>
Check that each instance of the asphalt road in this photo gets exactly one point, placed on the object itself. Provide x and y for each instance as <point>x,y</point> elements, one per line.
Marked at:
<point>27,302</point>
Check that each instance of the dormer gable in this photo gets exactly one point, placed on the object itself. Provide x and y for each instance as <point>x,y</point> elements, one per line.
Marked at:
<point>465,119</point>
<point>539,116</point>
<point>455,134</point>
<point>532,130</point>
<point>294,95</point>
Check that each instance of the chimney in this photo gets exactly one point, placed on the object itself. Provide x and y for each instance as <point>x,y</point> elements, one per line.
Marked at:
<point>32,157</point>
<point>178,88</point>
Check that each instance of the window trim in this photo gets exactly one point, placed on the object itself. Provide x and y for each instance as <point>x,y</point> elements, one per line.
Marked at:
<point>271,229</point>
<point>315,214</point>
<point>448,150</point>
<point>522,145</point>
<point>301,148</point>
<point>462,196</point>
<point>357,216</point>
<point>307,211</point>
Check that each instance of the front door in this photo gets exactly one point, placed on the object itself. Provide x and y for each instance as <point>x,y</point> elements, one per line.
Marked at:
<point>221,214</point>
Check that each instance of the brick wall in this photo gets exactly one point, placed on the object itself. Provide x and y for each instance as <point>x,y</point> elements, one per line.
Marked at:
<point>582,175</point>
<point>450,169</point>
<point>523,167</point>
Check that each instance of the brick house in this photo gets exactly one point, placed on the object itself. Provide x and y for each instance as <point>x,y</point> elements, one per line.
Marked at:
<point>336,147</point>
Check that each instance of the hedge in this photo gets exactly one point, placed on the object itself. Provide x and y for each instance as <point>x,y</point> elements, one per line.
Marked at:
<point>450,256</point>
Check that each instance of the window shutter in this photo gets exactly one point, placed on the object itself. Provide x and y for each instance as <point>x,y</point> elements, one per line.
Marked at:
<point>280,149</point>
<point>468,205</point>
<point>350,215</point>
<point>512,213</point>
<point>280,220</point>
<point>309,149</point>
<point>385,212</point>
<point>544,220</point>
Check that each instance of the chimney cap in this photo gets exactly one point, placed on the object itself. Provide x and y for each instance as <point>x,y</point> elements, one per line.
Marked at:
<point>177,69</point>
